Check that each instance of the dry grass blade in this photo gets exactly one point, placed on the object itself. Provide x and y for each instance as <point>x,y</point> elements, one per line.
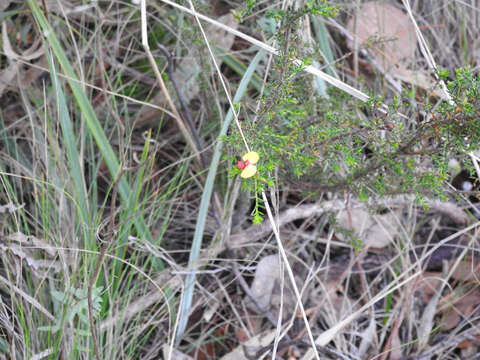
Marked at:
<point>426,50</point>
<point>42,355</point>
<point>28,298</point>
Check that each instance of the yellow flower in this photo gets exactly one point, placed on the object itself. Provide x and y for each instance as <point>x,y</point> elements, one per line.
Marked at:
<point>249,169</point>
<point>252,157</point>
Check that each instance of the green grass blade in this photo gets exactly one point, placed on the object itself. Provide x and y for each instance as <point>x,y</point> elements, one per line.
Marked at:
<point>205,202</point>
<point>91,120</point>
<point>239,67</point>
<point>321,34</point>
<point>70,144</point>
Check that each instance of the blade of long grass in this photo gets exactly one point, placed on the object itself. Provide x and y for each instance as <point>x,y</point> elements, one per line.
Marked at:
<point>326,52</point>
<point>205,201</point>
<point>321,34</point>
<point>86,108</point>
<point>239,67</point>
<point>284,257</point>
<point>133,203</point>
<point>70,143</point>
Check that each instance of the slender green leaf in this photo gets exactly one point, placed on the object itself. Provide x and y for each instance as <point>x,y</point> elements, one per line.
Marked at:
<point>70,144</point>
<point>321,33</point>
<point>206,196</point>
<point>87,111</point>
<point>239,67</point>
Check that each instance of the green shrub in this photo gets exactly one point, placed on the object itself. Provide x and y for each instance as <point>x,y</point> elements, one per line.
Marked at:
<point>339,144</point>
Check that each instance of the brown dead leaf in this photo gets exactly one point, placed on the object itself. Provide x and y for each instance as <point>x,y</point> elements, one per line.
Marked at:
<point>469,343</point>
<point>387,31</point>
<point>454,310</point>
<point>467,270</point>
<point>426,285</point>
<point>266,274</point>
<point>396,347</point>
<point>373,230</point>
<point>450,320</point>
<point>266,288</point>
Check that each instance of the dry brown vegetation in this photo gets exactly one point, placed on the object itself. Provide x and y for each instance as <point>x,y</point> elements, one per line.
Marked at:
<point>106,154</point>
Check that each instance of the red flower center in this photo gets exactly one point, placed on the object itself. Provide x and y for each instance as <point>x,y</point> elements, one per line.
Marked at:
<point>242,165</point>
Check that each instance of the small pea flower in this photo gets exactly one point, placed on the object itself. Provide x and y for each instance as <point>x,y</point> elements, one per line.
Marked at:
<point>248,164</point>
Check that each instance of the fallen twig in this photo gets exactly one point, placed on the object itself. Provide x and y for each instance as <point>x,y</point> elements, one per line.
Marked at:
<point>257,232</point>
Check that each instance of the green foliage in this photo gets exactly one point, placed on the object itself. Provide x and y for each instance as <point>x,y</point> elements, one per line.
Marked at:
<point>313,7</point>
<point>257,213</point>
<point>75,303</point>
<point>339,144</point>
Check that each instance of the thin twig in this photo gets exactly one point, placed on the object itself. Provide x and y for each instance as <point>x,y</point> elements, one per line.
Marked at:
<point>183,129</point>
<point>45,10</point>
<point>183,105</point>
<point>186,114</point>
